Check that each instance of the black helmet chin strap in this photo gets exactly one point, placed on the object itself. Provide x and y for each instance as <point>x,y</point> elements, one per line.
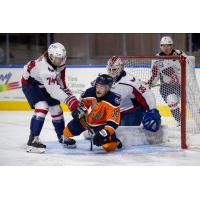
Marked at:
<point>118,78</point>
<point>49,61</point>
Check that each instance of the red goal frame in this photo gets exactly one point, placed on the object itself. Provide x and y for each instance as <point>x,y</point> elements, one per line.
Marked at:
<point>182,60</point>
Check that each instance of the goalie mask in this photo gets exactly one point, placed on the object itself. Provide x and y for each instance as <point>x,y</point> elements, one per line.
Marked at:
<point>57,54</point>
<point>115,66</point>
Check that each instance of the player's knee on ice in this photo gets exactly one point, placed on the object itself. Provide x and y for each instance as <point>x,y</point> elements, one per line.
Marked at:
<point>74,128</point>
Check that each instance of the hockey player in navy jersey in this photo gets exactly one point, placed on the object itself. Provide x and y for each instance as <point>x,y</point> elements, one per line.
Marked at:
<point>43,83</point>
<point>138,104</point>
<point>168,72</point>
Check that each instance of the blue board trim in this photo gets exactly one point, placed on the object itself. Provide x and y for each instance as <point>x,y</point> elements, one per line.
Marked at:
<point>67,66</point>
<point>82,66</point>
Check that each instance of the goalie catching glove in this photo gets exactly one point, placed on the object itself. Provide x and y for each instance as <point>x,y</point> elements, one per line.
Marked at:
<point>152,120</point>
<point>101,137</point>
<point>80,112</point>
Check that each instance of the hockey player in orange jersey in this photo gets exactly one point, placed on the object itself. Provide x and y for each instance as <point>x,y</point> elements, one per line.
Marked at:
<point>100,109</point>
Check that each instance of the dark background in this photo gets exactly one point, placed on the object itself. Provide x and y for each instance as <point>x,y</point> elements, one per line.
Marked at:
<point>91,48</point>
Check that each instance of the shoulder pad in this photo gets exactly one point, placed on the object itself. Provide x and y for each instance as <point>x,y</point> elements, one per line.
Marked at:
<point>113,98</point>
<point>178,52</point>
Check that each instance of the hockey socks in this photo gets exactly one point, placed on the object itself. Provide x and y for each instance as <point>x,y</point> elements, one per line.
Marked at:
<point>36,125</point>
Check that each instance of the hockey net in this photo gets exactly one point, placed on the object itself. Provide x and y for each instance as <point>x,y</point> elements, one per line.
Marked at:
<point>179,105</point>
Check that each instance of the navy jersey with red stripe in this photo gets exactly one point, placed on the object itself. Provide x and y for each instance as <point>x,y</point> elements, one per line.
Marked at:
<point>103,111</point>
<point>134,94</point>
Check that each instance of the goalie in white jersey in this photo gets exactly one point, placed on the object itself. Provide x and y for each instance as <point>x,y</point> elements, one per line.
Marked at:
<point>138,102</point>
<point>43,83</point>
<point>168,72</point>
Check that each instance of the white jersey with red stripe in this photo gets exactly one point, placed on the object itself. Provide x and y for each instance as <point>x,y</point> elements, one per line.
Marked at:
<point>40,72</point>
<point>133,93</point>
<point>167,71</point>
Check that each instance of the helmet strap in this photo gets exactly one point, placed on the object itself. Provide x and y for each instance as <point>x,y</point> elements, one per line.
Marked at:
<point>118,78</point>
<point>49,61</point>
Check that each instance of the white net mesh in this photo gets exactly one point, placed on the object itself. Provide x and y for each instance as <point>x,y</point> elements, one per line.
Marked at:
<point>164,77</point>
<point>193,105</point>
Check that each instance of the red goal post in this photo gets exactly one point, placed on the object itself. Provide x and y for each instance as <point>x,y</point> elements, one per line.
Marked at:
<point>137,66</point>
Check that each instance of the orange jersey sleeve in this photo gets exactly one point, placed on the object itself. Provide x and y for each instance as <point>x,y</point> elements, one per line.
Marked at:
<point>112,118</point>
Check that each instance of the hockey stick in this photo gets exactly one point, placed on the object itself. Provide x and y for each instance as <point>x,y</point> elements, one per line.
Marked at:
<point>90,130</point>
<point>155,85</point>
<point>9,86</point>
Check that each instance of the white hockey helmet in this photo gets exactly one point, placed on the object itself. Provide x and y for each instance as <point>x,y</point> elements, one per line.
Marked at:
<point>166,40</point>
<point>57,54</point>
<point>115,66</point>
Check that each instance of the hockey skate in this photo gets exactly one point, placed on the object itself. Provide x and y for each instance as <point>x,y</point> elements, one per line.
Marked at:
<point>119,144</point>
<point>34,145</point>
<point>68,142</point>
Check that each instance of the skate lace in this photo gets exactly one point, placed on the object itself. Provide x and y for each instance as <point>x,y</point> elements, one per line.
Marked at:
<point>37,140</point>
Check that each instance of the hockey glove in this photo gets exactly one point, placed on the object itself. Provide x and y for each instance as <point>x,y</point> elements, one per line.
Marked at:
<point>101,137</point>
<point>80,112</point>
<point>72,103</point>
<point>151,120</point>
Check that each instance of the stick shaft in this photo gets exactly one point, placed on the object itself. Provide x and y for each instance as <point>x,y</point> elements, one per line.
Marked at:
<point>90,130</point>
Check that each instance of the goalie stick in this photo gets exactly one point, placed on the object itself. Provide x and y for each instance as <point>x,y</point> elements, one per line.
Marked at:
<point>90,130</point>
<point>10,86</point>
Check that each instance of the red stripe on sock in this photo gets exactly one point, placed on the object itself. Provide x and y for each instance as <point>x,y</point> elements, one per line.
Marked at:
<point>41,111</point>
<point>54,116</point>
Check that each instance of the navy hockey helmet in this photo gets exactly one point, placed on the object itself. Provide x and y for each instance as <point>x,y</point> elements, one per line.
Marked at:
<point>104,79</point>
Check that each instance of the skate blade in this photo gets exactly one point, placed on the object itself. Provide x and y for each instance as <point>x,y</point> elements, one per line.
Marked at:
<point>31,149</point>
<point>70,146</point>
<point>88,138</point>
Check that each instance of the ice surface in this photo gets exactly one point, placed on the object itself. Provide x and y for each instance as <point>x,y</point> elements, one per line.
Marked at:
<point>14,134</point>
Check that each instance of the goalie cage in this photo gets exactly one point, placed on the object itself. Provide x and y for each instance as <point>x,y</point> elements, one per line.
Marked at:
<point>188,134</point>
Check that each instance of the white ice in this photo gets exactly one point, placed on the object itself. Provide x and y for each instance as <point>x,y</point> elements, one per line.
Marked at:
<point>14,132</point>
